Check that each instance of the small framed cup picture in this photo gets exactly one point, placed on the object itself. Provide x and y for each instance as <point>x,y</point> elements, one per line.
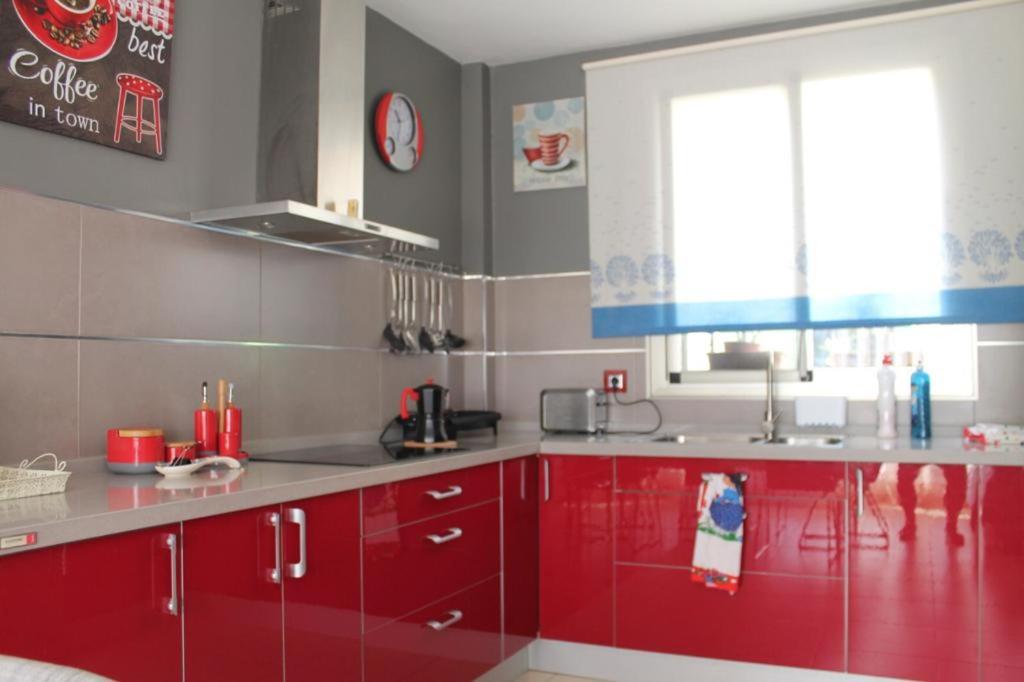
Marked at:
<point>549,145</point>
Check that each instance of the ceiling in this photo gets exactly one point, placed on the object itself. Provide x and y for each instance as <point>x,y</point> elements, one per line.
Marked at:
<point>501,32</point>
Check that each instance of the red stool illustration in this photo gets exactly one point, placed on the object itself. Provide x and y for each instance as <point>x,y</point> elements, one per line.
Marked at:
<point>143,90</point>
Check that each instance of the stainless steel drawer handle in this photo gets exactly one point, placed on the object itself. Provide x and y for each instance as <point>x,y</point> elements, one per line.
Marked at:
<point>453,534</point>
<point>171,542</point>
<point>454,616</point>
<point>274,574</point>
<point>453,491</point>
<point>298,517</point>
<point>860,492</point>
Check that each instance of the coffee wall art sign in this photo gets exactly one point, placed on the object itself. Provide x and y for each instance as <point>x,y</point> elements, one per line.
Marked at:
<point>95,70</point>
<point>549,145</point>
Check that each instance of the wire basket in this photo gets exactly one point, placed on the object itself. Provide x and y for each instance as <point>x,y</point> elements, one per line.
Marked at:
<point>26,482</point>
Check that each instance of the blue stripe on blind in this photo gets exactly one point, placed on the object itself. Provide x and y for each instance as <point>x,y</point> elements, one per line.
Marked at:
<point>951,306</point>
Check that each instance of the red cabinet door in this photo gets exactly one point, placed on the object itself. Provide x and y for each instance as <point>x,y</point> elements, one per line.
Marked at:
<point>232,582</point>
<point>521,550</point>
<point>1002,581</point>
<point>322,619</point>
<point>790,606</point>
<point>913,571</point>
<point>110,606</point>
<point>576,549</point>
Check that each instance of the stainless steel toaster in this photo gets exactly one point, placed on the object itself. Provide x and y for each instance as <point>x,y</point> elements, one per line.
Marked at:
<point>573,410</point>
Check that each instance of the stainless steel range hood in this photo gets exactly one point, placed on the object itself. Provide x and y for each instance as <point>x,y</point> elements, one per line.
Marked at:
<point>300,222</point>
<point>312,128</point>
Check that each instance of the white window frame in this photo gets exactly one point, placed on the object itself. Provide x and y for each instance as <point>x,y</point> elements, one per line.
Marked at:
<point>858,384</point>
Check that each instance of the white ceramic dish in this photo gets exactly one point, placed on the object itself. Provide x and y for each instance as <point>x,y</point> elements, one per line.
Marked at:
<point>189,469</point>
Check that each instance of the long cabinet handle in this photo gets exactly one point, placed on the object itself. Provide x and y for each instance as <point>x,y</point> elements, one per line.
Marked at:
<point>547,480</point>
<point>171,542</point>
<point>453,491</point>
<point>522,479</point>
<point>454,616</point>
<point>298,517</point>
<point>860,492</point>
<point>274,574</point>
<point>453,534</point>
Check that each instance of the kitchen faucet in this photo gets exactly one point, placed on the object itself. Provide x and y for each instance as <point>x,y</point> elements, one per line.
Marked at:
<point>770,415</point>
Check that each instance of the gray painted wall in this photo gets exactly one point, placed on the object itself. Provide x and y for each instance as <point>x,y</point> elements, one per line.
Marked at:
<point>428,199</point>
<point>214,117</point>
<point>544,232</point>
<point>476,169</point>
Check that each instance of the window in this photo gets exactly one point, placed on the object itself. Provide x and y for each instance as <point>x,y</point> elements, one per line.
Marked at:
<point>814,362</point>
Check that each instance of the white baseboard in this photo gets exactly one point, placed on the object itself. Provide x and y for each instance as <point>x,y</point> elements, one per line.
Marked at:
<point>627,665</point>
<point>509,670</point>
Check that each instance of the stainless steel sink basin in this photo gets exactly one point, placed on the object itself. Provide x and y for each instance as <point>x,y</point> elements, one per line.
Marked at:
<point>706,438</point>
<point>802,441</point>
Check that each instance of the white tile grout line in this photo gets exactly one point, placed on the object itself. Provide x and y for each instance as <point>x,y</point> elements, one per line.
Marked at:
<point>78,343</point>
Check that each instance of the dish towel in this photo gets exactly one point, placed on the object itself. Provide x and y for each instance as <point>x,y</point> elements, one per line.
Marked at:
<point>719,544</point>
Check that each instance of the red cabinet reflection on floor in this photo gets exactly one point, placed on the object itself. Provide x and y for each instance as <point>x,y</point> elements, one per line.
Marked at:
<point>232,582</point>
<point>576,549</point>
<point>913,571</point>
<point>521,549</point>
<point>322,619</point>
<point>1002,582</point>
<point>110,606</point>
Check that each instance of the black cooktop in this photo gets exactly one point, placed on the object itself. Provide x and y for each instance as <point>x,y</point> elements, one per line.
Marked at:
<point>352,455</point>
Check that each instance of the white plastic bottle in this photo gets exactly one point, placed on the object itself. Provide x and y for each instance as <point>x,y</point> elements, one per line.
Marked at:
<point>886,399</point>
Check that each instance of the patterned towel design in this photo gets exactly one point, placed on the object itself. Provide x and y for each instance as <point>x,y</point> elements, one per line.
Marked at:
<point>719,544</point>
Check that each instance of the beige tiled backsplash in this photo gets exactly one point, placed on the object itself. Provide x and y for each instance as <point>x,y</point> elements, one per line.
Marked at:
<point>142,295</point>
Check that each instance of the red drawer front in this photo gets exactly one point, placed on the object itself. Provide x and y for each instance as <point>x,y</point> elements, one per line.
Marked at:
<point>404,570</point>
<point>409,649</point>
<point>395,504</point>
<point>794,513</point>
<point>778,620</point>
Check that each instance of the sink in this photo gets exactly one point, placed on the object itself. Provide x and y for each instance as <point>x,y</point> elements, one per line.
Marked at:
<point>707,438</point>
<point>801,441</point>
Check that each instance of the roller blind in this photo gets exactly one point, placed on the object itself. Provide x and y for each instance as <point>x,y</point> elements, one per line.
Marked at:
<point>859,177</point>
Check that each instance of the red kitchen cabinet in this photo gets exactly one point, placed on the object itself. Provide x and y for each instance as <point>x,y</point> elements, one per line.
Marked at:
<point>521,552</point>
<point>233,578</point>
<point>456,639</point>
<point>790,606</point>
<point>282,574</point>
<point>411,566</point>
<point>576,556</point>
<point>322,618</point>
<point>1002,582</point>
<point>913,610</point>
<point>110,606</point>
<point>775,619</point>
<point>395,504</point>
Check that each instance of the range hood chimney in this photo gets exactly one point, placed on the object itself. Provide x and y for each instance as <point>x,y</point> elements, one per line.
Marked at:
<point>310,157</point>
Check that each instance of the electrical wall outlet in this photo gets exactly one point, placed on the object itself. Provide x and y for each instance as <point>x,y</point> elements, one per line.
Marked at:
<point>615,380</point>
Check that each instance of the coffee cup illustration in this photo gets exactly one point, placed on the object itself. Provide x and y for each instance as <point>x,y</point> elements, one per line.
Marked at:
<point>71,12</point>
<point>552,146</point>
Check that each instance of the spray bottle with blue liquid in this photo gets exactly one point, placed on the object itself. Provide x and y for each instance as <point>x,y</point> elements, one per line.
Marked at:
<point>920,403</point>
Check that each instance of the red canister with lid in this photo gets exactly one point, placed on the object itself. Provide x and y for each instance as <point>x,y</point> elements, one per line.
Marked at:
<point>134,450</point>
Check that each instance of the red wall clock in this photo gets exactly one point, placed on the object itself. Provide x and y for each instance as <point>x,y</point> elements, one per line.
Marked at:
<point>399,131</point>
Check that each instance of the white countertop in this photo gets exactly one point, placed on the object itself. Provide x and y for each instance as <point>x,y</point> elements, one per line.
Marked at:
<point>100,503</point>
